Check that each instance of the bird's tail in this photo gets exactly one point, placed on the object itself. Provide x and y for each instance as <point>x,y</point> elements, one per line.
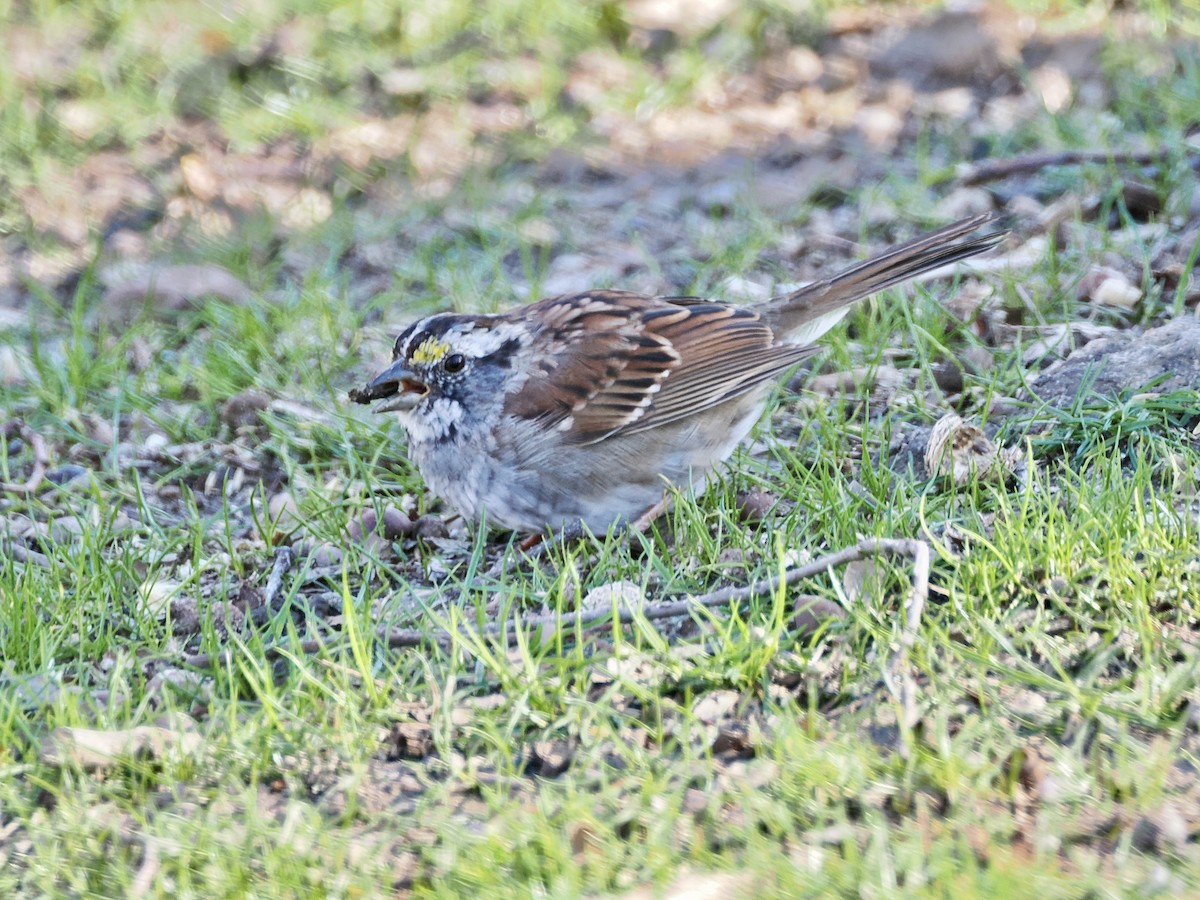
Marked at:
<point>804,315</point>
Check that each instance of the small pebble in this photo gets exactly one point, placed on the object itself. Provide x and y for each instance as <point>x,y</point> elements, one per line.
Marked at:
<point>754,505</point>
<point>427,527</point>
<point>242,410</point>
<point>284,511</point>
<point>325,555</point>
<point>361,526</point>
<point>396,524</point>
<point>66,474</point>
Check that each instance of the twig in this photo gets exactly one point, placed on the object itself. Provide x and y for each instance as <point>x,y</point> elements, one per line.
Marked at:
<point>143,881</point>
<point>730,595</point>
<point>285,557</point>
<point>995,169</point>
<point>271,653</point>
<point>916,550</point>
<point>535,547</point>
<point>897,667</point>
<point>41,457</point>
<point>22,554</point>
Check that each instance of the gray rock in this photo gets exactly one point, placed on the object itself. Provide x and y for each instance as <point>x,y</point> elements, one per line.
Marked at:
<point>1129,360</point>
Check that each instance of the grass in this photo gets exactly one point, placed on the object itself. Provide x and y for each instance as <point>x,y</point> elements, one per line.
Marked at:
<point>1056,660</point>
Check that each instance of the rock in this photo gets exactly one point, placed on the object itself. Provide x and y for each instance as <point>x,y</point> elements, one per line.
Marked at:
<point>1142,200</point>
<point>623,595</point>
<point>242,410</point>
<point>410,740</point>
<point>284,512</point>
<point>326,554</point>
<point>1128,360</point>
<point>396,525</point>
<point>714,706</point>
<point>1105,286</point>
<point>755,505</point>
<point>551,758</point>
<point>64,475</point>
<point>428,527</point>
<point>947,49</point>
<point>733,738</point>
<point>1162,831</point>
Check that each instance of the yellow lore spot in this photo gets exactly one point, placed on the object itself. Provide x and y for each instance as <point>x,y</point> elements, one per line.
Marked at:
<point>431,350</point>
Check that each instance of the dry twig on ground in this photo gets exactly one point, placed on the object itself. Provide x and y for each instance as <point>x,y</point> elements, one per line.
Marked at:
<point>997,169</point>
<point>917,551</point>
<point>41,457</point>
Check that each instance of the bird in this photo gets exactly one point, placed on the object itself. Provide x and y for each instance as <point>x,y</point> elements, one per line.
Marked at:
<point>581,409</point>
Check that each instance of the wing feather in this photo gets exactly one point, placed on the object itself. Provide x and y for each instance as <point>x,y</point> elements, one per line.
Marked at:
<point>628,362</point>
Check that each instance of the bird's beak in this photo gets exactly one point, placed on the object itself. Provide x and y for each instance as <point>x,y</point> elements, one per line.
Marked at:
<point>397,386</point>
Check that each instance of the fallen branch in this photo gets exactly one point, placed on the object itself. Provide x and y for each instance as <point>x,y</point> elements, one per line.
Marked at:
<point>22,554</point>
<point>917,551</point>
<point>897,668</point>
<point>41,457</point>
<point>285,558</point>
<point>996,169</point>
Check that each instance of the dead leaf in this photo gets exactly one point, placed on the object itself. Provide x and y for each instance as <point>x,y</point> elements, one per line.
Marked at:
<point>93,749</point>
<point>734,738</point>
<point>862,579</point>
<point>715,705</point>
<point>549,759</point>
<point>410,740</point>
<point>623,595</point>
<point>958,449</point>
<point>882,381</point>
<point>701,886</point>
<point>583,838</point>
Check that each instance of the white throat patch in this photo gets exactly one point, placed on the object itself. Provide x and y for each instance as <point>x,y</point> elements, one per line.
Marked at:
<point>432,420</point>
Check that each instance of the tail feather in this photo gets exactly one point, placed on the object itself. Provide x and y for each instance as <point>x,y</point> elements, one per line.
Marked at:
<point>804,315</point>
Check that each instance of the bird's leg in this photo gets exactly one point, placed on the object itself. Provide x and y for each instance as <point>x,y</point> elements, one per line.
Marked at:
<point>646,519</point>
<point>569,533</point>
<point>535,546</point>
<point>530,542</point>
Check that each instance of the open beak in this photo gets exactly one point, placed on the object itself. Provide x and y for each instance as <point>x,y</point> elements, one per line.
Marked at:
<point>397,386</point>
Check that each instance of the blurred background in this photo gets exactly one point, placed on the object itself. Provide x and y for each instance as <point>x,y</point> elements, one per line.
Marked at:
<point>214,219</point>
<point>271,139</point>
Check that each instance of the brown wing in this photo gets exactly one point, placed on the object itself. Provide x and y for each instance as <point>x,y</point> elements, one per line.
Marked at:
<point>628,362</point>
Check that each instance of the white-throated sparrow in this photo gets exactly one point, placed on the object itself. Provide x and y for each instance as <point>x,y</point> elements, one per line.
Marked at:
<point>577,408</point>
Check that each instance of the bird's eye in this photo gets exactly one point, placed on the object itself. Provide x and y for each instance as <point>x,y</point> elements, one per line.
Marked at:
<point>455,362</point>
